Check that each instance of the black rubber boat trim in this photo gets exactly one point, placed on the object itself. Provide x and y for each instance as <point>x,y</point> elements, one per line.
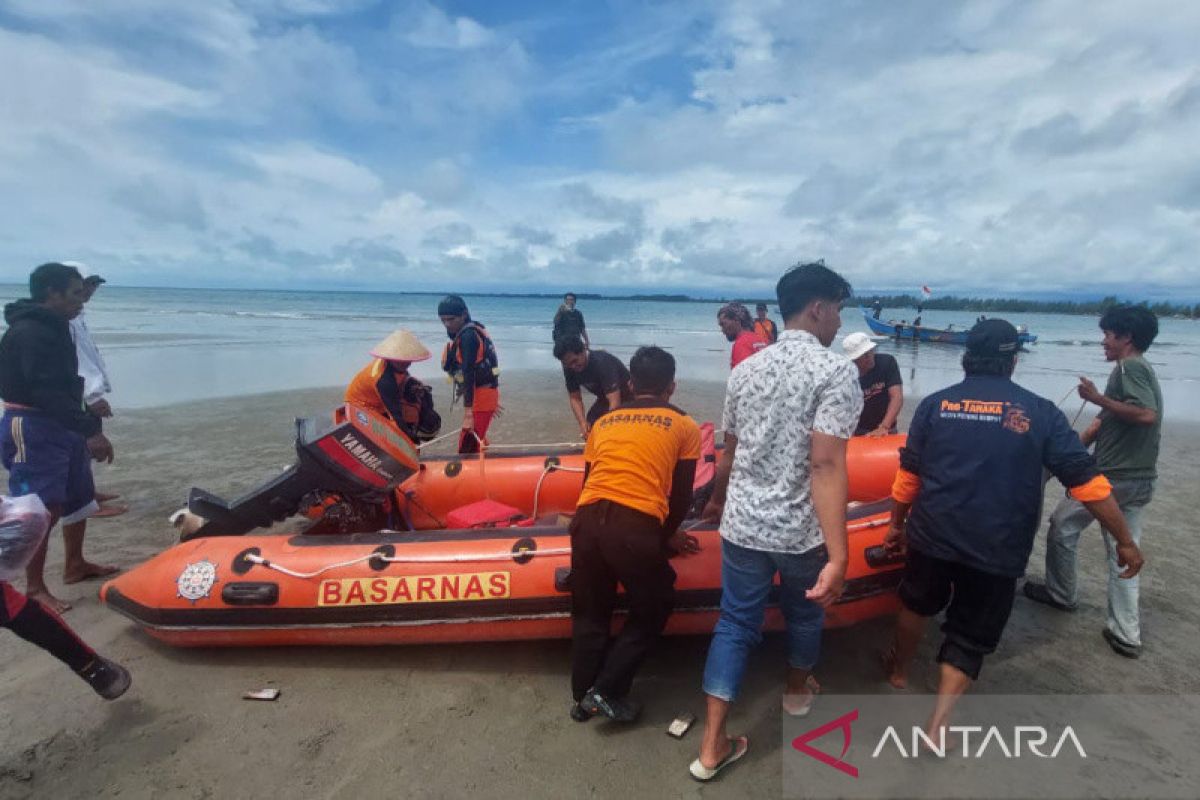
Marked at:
<point>435,613</point>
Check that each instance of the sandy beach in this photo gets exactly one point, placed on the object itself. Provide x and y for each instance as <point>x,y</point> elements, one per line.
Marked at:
<point>480,720</point>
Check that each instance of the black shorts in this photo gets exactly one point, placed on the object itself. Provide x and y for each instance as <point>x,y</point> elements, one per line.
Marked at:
<point>977,606</point>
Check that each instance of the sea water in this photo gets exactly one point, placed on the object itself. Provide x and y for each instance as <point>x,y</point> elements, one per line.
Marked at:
<point>168,346</point>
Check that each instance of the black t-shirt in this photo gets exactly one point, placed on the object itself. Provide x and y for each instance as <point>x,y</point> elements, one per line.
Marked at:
<point>875,384</point>
<point>603,373</point>
<point>568,323</point>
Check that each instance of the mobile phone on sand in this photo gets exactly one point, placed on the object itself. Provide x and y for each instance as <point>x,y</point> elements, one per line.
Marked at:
<point>679,726</point>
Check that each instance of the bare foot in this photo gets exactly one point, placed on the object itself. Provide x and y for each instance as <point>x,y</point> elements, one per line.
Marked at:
<point>949,744</point>
<point>51,602</point>
<point>87,570</point>
<point>897,679</point>
<point>104,497</point>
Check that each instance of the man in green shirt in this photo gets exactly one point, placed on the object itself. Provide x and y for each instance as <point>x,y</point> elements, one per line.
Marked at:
<point>1126,434</point>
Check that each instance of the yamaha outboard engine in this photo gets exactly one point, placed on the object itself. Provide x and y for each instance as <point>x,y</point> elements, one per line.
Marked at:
<point>353,453</point>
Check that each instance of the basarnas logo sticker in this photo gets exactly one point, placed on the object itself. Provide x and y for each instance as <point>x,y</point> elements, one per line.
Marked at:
<point>197,580</point>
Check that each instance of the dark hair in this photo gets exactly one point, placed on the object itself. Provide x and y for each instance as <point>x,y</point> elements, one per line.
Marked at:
<point>570,295</point>
<point>567,344</point>
<point>52,277</point>
<point>1136,322</point>
<point>652,370</point>
<point>805,283</point>
<point>763,306</point>
<point>452,306</point>
<point>1001,366</point>
<point>738,313</point>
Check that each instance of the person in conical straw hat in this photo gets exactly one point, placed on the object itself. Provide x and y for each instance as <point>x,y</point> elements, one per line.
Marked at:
<point>386,388</point>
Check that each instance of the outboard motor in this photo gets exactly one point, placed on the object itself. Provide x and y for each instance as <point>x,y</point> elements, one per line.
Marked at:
<point>353,453</point>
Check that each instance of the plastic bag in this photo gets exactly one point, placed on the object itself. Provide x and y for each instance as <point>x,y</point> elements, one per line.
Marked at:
<point>24,523</point>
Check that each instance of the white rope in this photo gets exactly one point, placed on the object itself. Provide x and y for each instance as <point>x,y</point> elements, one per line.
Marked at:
<point>447,559</point>
<point>546,470</point>
<point>461,558</point>
<point>438,439</point>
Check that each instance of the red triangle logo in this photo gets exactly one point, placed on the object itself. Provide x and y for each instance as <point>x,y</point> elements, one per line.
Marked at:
<point>843,722</point>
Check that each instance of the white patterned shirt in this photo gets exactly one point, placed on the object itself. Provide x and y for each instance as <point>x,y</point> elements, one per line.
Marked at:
<point>773,402</point>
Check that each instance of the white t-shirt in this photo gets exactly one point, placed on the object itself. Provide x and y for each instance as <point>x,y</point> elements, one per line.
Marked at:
<point>773,403</point>
<point>91,363</point>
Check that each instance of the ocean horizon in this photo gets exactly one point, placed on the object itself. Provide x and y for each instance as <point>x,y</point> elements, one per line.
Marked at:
<point>166,346</point>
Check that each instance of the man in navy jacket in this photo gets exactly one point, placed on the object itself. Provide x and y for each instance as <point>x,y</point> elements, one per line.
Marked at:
<point>968,499</point>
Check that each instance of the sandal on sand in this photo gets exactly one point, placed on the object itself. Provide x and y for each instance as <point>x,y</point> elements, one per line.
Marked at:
<point>740,744</point>
<point>798,705</point>
<point>110,511</point>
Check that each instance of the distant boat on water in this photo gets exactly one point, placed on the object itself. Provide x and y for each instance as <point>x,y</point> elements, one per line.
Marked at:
<point>903,330</point>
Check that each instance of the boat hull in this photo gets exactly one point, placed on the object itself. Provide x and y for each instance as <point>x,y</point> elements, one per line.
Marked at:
<point>436,587</point>
<point>923,334</point>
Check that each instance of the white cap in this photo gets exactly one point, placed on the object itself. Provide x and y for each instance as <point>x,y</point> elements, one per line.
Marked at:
<point>85,271</point>
<point>857,345</point>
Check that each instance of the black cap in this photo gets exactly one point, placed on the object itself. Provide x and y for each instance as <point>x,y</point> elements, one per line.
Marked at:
<point>993,337</point>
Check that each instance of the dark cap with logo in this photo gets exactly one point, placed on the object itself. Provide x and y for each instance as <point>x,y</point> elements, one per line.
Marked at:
<point>993,337</point>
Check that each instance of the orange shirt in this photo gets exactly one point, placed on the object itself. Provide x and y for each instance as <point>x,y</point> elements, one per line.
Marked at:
<point>632,452</point>
<point>745,345</point>
<point>362,392</point>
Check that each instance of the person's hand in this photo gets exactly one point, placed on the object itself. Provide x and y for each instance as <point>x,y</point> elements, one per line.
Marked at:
<point>683,543</point>
<point>1130,557</point>
<point>829,585</point>
<point>1088,391</point>
<point>101,408</point>
<point>712,511</point>
<point>100,448</point>
<point>880,431</point>
<point>468,420</point>
<point>1089,435</point>
<point>895,542</point>
<point>584,430</point>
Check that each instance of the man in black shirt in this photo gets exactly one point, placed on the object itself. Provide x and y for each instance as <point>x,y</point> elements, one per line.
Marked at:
<point>599,372</point>
<point>882,388</point>
<point>568,321</point>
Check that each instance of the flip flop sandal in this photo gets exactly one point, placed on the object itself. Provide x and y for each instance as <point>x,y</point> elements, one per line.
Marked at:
<point>802,704</point>
<point>705,774</point>
<point>109,511</point>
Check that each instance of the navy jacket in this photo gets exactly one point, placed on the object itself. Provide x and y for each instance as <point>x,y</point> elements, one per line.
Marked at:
<point>979,448</point>
<point>39,367</point>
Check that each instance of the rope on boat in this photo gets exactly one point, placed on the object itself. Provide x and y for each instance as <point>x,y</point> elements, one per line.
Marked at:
<point>460,558</point>
<point>447,559</point>
<point>546,470</point>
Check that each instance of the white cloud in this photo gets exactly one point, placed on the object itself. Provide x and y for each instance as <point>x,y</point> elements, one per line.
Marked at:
<point>978,144</point>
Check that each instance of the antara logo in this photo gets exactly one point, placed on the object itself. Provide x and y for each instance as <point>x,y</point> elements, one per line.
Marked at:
<point>1022,739</point>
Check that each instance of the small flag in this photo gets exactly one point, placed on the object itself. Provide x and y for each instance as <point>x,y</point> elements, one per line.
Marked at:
<point>926,291</point>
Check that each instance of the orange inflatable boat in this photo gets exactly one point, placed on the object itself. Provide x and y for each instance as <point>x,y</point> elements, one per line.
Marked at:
<point>482,552</point>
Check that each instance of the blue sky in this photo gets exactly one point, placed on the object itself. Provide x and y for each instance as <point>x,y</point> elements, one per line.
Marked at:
<point>669,146</point>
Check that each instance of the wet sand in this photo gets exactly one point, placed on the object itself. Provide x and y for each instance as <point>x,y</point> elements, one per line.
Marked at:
<point>480,720</point>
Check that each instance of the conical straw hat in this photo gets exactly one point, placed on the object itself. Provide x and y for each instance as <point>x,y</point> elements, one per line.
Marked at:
<point>402,345</point>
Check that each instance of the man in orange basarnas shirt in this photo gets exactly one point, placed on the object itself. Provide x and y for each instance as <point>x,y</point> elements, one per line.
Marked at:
<point>735,322</point>
<point>640,464</point>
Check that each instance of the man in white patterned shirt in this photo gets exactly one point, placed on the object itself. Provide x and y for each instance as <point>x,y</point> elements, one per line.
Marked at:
<point>780,495</point>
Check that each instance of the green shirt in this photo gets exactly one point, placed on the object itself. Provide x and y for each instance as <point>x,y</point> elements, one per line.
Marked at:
<point>1125,450</point>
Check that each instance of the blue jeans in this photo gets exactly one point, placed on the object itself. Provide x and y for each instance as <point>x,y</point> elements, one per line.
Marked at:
<point>1071,518</point>
<point>746,579</point>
